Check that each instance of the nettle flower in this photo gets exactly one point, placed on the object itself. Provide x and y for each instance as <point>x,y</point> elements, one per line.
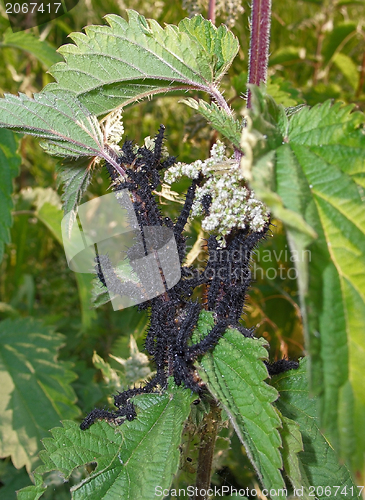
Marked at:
<point>224,200</point>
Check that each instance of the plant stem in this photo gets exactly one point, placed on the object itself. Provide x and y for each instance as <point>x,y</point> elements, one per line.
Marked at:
<point>211,11</point>
<point>259,43</point>
<point>109,155</point>
<point>362,77</point>
<point>318,63</point>
<point>206,450</point>
<point>23,212</point>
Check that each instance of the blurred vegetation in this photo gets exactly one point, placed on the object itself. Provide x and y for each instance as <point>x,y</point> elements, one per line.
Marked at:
<point>318,46</point>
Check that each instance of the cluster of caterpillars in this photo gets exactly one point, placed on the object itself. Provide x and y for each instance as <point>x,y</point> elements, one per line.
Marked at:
<point>174,315</point>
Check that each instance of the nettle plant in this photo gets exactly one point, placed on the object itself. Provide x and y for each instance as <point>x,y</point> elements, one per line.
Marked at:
<point>305,166</point>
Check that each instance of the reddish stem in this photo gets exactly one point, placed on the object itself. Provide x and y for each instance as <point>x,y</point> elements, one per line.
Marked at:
<point>259,43</point>
<point>211,11</point>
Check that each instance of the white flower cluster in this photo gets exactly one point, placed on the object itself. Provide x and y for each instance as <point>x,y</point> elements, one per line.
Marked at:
<point>113,130</point>
<point>232,205</point>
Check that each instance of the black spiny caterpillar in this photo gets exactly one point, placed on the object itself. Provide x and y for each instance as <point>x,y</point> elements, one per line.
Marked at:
<point>174,315</point>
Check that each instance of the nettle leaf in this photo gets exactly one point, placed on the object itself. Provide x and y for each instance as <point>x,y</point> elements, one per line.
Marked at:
<point>9,168</point>
<point>35,388</point>
<point>292,445</point>
<point>33,492</point>
<point>219,119</point>
<point>283,92</point>
<point>75,177</point>
<point>235,374</point>
<point>42,50</point>
<point>219,43</point>
<point>69,128</point>
<point>318,462</point>
<point>317,173</point>
<point>113,66</point>
<point>133,458</point>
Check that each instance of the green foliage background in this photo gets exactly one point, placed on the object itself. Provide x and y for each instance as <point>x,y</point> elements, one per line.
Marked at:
<point>317,52</point>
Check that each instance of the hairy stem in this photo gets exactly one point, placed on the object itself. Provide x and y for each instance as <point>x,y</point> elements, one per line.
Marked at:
<point>259,43</point>
<point>206,450</point>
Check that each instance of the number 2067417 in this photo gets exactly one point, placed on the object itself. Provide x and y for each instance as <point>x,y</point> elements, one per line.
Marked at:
<point>32,8</point>
<point>335,491</point>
